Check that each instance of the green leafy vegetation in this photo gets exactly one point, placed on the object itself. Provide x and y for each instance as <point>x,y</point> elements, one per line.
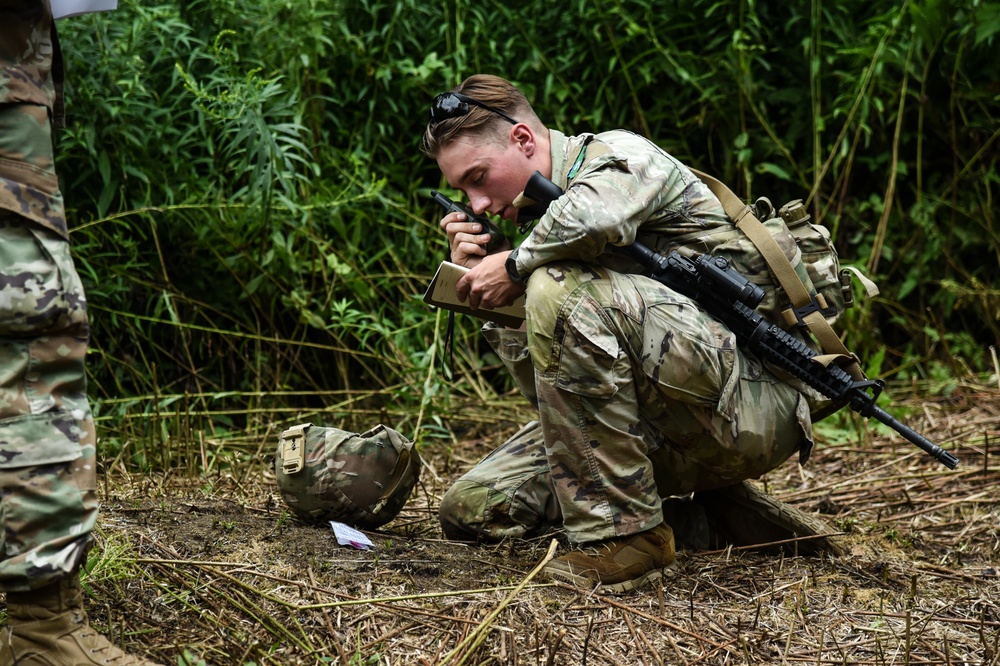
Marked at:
<point>250,207</point>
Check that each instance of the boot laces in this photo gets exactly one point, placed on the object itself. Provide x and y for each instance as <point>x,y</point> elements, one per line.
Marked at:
<point>609,546</point>
<point>101,644</point>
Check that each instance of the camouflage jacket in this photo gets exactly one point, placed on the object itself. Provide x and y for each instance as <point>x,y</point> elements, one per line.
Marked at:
<point>637,191</point>
<point>31,104</point>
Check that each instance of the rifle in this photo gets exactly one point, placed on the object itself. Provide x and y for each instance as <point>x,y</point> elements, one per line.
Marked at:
<point>729,297</point>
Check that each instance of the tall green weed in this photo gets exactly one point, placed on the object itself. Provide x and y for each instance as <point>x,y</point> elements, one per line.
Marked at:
<point>250,208</point>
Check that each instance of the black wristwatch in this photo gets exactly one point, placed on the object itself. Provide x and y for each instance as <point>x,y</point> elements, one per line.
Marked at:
<point>511,266</point>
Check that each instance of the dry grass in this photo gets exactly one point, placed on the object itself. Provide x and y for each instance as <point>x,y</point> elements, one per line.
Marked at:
<point>213,568</point>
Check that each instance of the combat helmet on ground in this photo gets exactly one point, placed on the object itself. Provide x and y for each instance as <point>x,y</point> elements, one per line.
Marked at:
<point>362,479</point>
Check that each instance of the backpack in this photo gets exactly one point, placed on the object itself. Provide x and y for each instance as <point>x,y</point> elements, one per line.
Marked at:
<point>815,289</point>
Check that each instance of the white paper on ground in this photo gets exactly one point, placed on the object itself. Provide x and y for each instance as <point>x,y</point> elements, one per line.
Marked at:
<point>348,536</point>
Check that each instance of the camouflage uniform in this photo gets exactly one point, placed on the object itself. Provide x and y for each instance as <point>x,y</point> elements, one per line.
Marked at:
<point>47,440</point>
<point>640,393</point>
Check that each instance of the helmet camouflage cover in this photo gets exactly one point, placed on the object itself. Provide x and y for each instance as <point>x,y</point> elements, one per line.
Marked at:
<point>362,479</point>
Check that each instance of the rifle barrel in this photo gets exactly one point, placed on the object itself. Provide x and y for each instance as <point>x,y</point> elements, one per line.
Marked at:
<point>939,454</point>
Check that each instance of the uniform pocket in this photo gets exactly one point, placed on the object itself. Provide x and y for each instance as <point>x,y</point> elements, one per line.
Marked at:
<point>39,439</point>
<point>586,352</point>
<point>39,287</point>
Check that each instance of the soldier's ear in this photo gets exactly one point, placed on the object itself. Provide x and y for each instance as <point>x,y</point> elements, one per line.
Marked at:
<point>523,138</point>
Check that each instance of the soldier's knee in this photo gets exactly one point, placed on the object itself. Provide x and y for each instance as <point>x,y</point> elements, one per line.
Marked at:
<point>473,511</point>
<point>462,511</point>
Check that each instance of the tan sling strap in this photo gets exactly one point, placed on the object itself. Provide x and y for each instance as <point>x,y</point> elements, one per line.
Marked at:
<point>807,309</point>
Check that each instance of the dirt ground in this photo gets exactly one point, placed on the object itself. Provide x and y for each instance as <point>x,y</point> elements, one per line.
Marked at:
<point>213,570</point>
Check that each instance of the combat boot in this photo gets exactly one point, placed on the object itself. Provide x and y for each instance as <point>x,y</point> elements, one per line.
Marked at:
<point>617,565</point>
<point>744,515</point>
<point>49,627</point>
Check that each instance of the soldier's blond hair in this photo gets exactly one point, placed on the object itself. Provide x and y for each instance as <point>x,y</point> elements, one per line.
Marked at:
<point>479,122</point>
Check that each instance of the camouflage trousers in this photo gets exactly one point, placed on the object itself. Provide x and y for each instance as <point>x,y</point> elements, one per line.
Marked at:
<point>641,395</point>
<point>48,504</point>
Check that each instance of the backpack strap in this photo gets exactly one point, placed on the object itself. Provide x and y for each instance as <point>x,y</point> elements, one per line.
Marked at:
<point>807,311</point>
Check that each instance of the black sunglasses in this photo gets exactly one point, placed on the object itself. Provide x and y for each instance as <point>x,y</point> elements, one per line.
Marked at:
<point>455,105</point>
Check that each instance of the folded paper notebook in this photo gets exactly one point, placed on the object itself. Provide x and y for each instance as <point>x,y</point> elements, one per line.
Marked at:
<point>441,293</point>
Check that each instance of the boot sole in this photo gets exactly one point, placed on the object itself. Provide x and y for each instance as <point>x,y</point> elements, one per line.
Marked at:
<point>588,584</point>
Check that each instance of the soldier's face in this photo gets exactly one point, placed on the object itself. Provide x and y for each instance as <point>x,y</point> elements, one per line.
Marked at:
<point>490,172</point>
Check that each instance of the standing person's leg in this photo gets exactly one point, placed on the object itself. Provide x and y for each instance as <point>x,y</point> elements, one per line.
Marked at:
<point>48,488</point>
<point>47,441</point>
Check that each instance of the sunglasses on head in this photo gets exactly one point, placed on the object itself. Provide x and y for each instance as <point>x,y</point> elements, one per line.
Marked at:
<point>455,105</point>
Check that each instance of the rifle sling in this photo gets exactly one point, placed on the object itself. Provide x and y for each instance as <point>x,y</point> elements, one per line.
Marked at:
<point>783,271</point>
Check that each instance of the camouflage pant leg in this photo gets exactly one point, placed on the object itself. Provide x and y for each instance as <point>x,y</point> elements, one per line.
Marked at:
<point>507,494</point>
<point>641,395</point>
<point>512,347</point>
<point>48,483</point>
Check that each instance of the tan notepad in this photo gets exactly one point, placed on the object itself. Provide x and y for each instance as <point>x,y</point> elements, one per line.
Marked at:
<point>441,293</point>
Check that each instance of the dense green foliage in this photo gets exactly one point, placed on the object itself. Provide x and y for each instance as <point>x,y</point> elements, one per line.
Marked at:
<point>250,205</point>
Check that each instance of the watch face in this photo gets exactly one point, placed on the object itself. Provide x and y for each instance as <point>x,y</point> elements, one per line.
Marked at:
<point>511,266</point>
